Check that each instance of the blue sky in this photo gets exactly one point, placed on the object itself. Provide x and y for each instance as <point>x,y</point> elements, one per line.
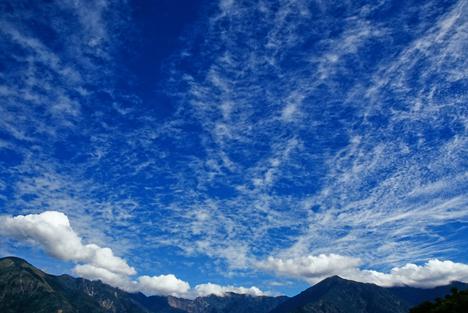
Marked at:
<point>239,143</point>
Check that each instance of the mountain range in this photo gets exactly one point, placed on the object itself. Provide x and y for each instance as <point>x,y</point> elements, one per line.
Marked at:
<point>26,289</point>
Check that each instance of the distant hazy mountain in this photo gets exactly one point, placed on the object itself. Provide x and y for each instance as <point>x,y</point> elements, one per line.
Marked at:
<point>337,295</point>
<point>230,303</point>
<point>26,289</point>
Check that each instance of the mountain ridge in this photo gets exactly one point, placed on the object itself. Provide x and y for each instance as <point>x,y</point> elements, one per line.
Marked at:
<point>26,289</point>
<point>338,295</point>
<point>335,295</point>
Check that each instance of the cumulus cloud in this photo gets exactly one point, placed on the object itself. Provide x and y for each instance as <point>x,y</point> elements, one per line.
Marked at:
<point>163,284</point>
<point>312,268</point>
<point>53,232</point>
<point>316,268</point>
<point>150,285</point>
<point>98,273</point>
<point>214,289</point>
<point>433,273</point>
<point>171,285</point>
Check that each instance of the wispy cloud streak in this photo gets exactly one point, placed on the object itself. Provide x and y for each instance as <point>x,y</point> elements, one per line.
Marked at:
<point>299,128</point>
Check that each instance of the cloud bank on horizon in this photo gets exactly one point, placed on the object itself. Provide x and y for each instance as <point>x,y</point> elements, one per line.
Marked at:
<point>260,142</point>
<point>52,231</point>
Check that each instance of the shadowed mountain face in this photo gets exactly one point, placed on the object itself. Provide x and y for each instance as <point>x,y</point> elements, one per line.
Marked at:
<point>415,296</point>
<point>26,289</point>
<point>456,302</point>
<point>337,295</point>
<point>230,303</point>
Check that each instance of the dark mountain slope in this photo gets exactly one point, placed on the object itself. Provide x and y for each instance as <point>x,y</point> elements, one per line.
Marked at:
<point>23,288</point>
<point>456,302</point>
<point>337,295</point>
<point>415,296</point>
<point>26,289</point>
<point>83,294</point>
<point>159,304</point>
<point>230,303</point>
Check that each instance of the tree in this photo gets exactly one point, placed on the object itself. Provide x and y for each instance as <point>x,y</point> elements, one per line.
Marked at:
<point>456,302</point>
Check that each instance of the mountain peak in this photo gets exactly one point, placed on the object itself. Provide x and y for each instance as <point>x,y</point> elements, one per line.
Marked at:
<point>336,294</point>
<point>13,261</point>
<point>30,290</point>
<point>334,278</point>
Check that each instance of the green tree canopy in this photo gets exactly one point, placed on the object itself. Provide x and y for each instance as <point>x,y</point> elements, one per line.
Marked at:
<point>456,302</point>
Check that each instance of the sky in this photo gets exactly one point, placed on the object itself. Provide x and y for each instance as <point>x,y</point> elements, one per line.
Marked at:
<point>187,148</point>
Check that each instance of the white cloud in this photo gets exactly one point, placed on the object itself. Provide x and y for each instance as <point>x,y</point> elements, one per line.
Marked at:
<point>163,285</point>
<point>359,196</point>
<point>288,111</point>
<point>171,285</point>
<point>433,273</point>
<point>91,272</point>
<point>291,110</point>
<point>238,95</point>
<point>209,288</point>
<point>149,285</point>
<point>316,268</point>
<point>53,232</point>
<point>311,268</point>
